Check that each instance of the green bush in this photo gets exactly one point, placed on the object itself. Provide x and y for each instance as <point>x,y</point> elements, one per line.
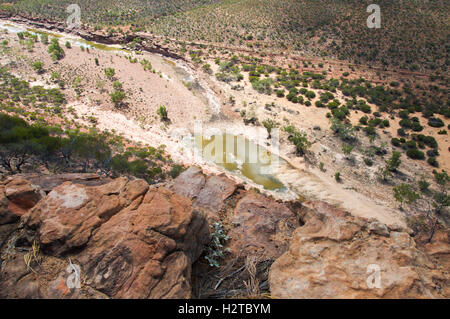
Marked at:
<point>117,97</point>
<point>298,139</point>
<point>435,122</point>
<point>38,66</point>
<point>110,73</point>
<point>163,114</point>
<point>396,142</point>
<point>55,51</point>
<point>415,154</point>
<point>433,161</point>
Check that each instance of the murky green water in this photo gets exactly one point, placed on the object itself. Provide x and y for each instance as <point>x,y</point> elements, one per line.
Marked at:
<point>50,34</point>
<point>238,154</point>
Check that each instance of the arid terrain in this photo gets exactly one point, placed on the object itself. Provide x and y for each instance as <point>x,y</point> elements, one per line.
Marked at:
<point>119,127</point>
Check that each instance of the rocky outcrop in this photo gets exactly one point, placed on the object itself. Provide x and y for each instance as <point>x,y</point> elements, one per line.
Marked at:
<point>128,239</point>
<point>208,193</point>
<point>262,224</point>
<point>146,41</point>
<point>258,224</point>
<point>335,255</point>
<point>17,196</point>
<point>22,194</point>
<point>49,182</point>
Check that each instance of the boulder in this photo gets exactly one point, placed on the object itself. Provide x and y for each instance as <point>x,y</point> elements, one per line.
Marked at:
<point>208,193</point>
<point>22,195</point>
<point>261,224</point>
<point>6,216</point>
<point>189,183</point>
<point>129,240</point>
<point>336,255</point>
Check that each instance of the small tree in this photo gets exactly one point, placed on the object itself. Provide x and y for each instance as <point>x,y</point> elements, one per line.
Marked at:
<point>117,97</point>
<point>56,52</point>
<point>337,177</point>
<point>404,193</point>
<point>298,139</point>
<point>110,73</point>
<point>269,124</point>
<point>117,85</point>
<point>394,162</point>
<point>44,38</point>
<point>163,114</point>
<point>38,66</point>
<point>347,149</point>
<point>434,202</point>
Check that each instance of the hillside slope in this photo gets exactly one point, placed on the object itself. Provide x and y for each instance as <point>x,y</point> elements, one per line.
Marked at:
<point>111,12</point>
<point>412,36</point>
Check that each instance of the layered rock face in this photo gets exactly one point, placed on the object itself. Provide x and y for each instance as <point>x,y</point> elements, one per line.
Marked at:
<point>17,196</point>
<point>261,224</point>
<point>207,193</point>
<point>258,224</point>
<point>128,239</point>
<point>335,255</point>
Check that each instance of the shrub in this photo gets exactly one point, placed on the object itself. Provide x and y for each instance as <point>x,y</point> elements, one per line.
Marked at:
<point>117,85</point>
<point>263,86</point>
<point>298,139</point>
<point>415,154</point>
<point>435,122</point>
<point>406,123</point>
<point>319,104</point>
<point>396,142</point>
<point>394,162</point>
<point>405,193</point>
<point>110,73</point>
<point>207,68</point>
<point>337,177</point>
<point>401,132</point>
<point>176,170</point>
<point>215,250</point>
<point>269,124</point>
<point>433,161</point>
<point>44,38</point>
<point>416,127</point>
<point>117,97</point>
<point>365,108</point>
<point>310,94</point>
<point>343,130</point>
<point>163,114</point>
<point>56,52</point>
<point>433,153</point>
<point>38,66</point>
<point>280,93</point>
<point>347,149</point>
